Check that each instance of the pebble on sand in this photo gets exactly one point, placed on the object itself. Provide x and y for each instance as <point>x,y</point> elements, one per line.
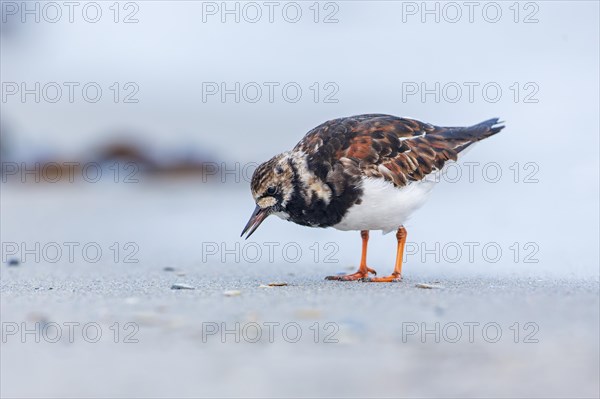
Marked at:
<point>13,262</point>
<point>428,286</point>
<point>168,269</point>
<point>232,293</point>
<point>278,284</point>
<point>180,286</point>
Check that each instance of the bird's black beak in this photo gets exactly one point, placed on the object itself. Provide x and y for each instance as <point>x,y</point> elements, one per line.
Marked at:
<point>258,216</point>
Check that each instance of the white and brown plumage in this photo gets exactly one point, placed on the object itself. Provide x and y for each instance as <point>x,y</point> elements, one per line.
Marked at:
<point>364,172</point>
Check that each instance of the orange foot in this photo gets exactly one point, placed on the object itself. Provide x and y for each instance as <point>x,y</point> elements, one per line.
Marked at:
<point>394,278</point>
<point>359,275</point>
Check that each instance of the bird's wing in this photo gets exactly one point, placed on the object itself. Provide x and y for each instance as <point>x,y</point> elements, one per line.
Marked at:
<point>397,149</point>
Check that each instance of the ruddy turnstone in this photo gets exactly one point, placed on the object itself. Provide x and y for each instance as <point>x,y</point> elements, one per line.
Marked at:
<point>364,172</point>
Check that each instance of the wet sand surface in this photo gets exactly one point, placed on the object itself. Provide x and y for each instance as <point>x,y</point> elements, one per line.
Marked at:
<point>476,329</point>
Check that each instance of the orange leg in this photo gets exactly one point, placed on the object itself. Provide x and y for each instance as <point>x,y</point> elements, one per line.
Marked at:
<point>397,274</point>
<point>363,270</point>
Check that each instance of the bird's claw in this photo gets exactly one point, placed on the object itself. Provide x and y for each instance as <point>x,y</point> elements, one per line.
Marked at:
<point>388,279</point>
<point>358,276</point>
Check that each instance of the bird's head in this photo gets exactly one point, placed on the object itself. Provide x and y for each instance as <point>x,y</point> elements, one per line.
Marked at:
<point>272,187</point>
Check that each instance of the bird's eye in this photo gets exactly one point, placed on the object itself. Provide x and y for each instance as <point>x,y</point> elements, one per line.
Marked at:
<point>271,190</point>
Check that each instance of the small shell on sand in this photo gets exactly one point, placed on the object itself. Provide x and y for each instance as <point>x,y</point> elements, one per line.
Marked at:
<point>428,286</point>
<point>180,286</point>
<point>232,293</point>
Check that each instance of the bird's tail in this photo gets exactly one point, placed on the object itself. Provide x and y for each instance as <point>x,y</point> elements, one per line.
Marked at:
<point>465,136</point>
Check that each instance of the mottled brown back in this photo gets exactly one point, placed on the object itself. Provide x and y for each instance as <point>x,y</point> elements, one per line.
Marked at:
<point>399,150</point>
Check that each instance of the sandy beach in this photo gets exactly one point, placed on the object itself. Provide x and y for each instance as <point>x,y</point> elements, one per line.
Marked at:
<point>467,329</point>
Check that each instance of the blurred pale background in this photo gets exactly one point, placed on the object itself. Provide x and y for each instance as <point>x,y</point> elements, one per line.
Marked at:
<point>369,54</point>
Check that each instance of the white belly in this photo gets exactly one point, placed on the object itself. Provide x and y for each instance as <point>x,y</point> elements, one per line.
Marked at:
<point>385,207</point>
